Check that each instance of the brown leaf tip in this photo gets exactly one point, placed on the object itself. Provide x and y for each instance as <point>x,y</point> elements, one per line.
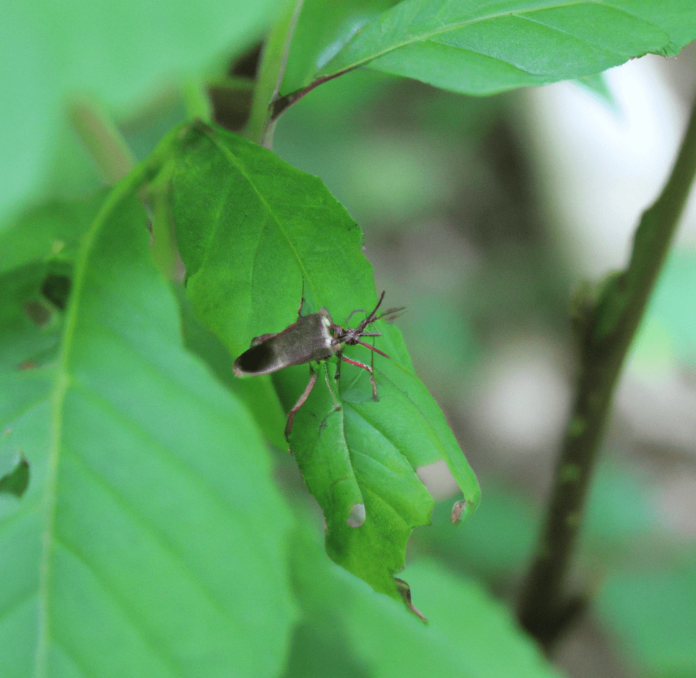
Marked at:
<point>457,511</point>
<point>405,592</point>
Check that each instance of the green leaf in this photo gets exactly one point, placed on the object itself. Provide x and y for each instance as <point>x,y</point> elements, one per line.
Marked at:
<point>323,28</point>
<point>475,47</point>
<point>653,615</point>
<point>118,53</point>
<point>597,84</point>
<point>469,633</point>
<point>29,324</point>
<point>257,394</point>
<point>36,254</point>
<point>47,232</point>
<point>151,540</point>
<point>496,543</point>
<point>669,328</point>
<point>254,233</point>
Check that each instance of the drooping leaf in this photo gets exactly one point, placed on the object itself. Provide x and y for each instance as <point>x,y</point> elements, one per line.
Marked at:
<point>480,48</point>
<point>254,233</point>
<point>151,540</point>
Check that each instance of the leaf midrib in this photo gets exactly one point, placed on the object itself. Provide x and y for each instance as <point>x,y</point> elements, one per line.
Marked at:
<point>423,37</point>
<point>240,167</point>
<point>56,420</point>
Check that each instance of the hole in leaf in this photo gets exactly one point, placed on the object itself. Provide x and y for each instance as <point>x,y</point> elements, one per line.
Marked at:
<point>56,288</point>
<point>357,515</point>
<point>16,481</point>
<point>438,480</point>
<point>38,312</point>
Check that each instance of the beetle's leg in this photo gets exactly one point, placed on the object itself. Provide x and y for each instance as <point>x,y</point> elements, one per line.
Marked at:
<point>337,374</point>
<point>300,402</point>
<point>299,310</point>
<point>369,369</point>
<point>370,346</point>
<point>328,385</point>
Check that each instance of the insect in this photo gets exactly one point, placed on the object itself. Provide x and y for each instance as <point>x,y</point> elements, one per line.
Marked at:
<point>313,338</point>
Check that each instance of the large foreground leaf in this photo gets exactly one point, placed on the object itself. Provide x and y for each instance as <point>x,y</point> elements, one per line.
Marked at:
<point>487,46</point>
<point>47,232</point>
<point>254,232</point>
<point>36,255</point>
<point>151,540</point>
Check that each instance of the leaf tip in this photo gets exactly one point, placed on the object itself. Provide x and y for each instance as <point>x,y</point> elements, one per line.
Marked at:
<point>458,511</point>
<point>405,592</point>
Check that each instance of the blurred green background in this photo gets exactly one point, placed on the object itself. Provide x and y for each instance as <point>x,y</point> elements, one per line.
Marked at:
<point>481,216</point>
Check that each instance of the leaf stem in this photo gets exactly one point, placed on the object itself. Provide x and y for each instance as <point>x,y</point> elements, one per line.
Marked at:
<point>608,327</point>
<point>103,140</point>
<point>274,57</point>
<point>280,104</point>
<point>196,100</point>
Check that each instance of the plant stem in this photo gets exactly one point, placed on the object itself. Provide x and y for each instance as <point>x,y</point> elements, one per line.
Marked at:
<point>280,104</point>
<point>196,100</point>
<point>608,328</point>
<point>103,140</point>
<point>260,127</point>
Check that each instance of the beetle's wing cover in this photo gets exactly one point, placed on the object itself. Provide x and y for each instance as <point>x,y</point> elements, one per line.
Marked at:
<point>304,341</point>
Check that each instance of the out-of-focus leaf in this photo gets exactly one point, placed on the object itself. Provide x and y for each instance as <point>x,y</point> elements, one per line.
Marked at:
<point>256,393</point>
<point>151,541</point>
<point>468,634</point>
<point>254,233</point>
<point>116,52</point>
<point>36,254</point>
<point>323,28</point>
<point>50,231</point>
<point>29,325</point>
<point>668,331</point>
<point>496,542</point>
<point>617,515</point>
<point>491,46</point>
<point>653,614</point>
<point>597,84</point>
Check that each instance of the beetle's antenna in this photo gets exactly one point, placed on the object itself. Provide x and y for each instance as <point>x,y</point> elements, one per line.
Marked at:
<point>373,316</point>
<point>392,314</point>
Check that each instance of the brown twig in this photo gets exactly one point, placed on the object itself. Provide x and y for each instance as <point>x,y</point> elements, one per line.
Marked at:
<point>606,330</point>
